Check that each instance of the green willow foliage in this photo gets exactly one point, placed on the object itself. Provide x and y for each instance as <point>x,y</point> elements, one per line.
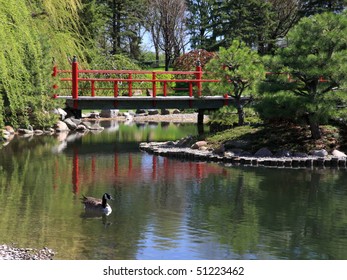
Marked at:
<point>32,33</point>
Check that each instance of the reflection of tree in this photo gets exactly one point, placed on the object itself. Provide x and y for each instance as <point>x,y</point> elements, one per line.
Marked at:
<point>223,206</point>
<point>294,214</point>
<point>305,216</point>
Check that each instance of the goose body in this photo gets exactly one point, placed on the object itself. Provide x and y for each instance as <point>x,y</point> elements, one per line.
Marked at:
<point>97,204</point>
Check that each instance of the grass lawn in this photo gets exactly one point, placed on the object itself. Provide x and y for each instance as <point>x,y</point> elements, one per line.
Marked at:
<point>280,137</point>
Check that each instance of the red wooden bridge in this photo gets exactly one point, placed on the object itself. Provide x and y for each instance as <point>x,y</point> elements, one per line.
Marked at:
<point>135,89</point>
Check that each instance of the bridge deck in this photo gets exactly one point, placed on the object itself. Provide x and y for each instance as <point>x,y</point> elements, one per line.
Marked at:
<point>148,102</point>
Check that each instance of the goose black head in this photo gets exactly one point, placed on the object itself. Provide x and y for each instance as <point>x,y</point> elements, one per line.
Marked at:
<point>107,196</point>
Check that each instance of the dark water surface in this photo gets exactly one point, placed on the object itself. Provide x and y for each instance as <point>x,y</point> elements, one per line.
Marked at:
<point>164,208</point>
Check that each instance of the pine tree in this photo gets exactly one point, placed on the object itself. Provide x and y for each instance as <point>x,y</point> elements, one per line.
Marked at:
<point>316,62</point>
<point>239,69</point>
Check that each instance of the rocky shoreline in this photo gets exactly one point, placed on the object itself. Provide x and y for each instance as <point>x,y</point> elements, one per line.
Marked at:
<point>8,252</point>
<point>199,151</point>
<point>90,122</point>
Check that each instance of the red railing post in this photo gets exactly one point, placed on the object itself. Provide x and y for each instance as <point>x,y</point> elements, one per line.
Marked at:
<point>154,86</point>
<point>165,88</point>
<point>75,81</point>
<point>198,76</point>
<point>93,88</point>
<point>130,85</point>
<point>54,75</point>
<point>190,89</point>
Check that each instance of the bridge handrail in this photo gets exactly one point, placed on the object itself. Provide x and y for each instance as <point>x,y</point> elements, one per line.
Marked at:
<point>154,78</point>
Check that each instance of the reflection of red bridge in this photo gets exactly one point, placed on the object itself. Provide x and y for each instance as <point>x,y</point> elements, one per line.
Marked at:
<point>158,166</point>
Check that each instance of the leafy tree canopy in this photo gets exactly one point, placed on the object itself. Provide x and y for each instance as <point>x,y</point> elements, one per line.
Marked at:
<point>316,62</point>
<point>32,33</point>
<point>239,69</point>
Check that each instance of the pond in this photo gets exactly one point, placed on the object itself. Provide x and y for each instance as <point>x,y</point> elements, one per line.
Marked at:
<point>164,208</point>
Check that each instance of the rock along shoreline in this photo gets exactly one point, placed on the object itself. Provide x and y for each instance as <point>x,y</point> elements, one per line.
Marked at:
<point>193,153</point>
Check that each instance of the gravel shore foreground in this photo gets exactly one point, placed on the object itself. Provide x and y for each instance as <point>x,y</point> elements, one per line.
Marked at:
<point>8,252</point>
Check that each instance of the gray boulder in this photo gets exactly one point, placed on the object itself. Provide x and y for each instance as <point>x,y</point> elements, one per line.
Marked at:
<point>70,123</point>
<point>81,127</point>
<point>339,154</point>
<point>263,152</point>
<point>165,112</point>
<point>319,153</point>
<point>111,113</point>
<point>153,112</point>
<point>141,112</point>
<point>61,126</point>
<point>198,145</point>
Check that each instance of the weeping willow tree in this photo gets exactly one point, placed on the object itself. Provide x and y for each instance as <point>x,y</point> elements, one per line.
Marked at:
<point>32,33</point>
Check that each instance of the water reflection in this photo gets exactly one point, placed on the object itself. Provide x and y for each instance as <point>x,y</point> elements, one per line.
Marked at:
<point>164,208</point>
<point>87,214</point>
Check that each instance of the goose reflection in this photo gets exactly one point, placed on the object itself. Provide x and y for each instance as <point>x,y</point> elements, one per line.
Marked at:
<point>90,215</point>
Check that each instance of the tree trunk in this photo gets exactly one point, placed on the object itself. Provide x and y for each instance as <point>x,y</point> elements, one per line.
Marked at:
<point>167,60</point>
<point>240,113</point>
<point>157,58</point>
<point>314,127</point>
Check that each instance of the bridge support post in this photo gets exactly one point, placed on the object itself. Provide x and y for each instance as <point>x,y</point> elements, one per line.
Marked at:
<point>75,82</point>
<point>200,122</point>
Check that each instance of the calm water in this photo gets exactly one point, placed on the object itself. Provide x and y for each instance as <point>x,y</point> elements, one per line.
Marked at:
<point>164,208</point>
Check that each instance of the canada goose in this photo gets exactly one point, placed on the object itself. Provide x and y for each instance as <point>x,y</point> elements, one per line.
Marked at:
<point>97,204</point>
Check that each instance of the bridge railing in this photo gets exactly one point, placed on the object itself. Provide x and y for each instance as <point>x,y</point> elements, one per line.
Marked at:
<point>128,82</point>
